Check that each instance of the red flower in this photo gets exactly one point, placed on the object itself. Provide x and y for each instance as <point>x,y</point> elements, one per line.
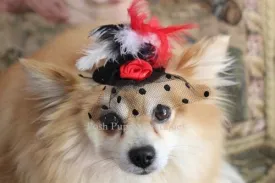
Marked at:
<point>137,70</point>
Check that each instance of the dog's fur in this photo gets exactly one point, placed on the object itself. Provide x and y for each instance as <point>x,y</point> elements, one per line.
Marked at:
<point>44,127</point>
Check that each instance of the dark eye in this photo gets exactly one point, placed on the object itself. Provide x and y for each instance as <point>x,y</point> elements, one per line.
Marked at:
<point>111,121</point>
<point>162,112</point>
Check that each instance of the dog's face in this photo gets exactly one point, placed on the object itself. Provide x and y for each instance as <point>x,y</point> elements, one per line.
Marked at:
<point>79,124</point>
<point>136,145</point>
<point>138,126</point>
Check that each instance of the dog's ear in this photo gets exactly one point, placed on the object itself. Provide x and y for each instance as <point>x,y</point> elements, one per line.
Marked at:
<point>204,61</point>
<point>48,81</point>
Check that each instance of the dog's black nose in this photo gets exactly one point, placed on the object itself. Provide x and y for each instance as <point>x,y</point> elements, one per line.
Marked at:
<point>143,156</point>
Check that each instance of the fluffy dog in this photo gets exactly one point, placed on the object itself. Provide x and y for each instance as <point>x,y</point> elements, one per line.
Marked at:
<point>46,135</point>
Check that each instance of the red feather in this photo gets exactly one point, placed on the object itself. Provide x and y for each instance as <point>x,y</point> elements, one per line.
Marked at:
<point>138,13</point>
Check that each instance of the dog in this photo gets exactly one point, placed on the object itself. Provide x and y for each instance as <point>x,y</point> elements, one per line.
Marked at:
<point>46,135</point>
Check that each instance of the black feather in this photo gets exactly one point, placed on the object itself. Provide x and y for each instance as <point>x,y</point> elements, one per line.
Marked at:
<point>107,32</point>
<point>147,52</point>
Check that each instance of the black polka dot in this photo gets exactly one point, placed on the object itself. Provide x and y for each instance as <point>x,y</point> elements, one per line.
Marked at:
<point>135,112</point>
<point>206,93</point>
<point>168,76</point>
<point>185,101</point>
<point>167,87</point>
<point>104,107</point>
<point>187,85</point>
<point>90,116</point>
<point>142,91</point>
<point>118,99</point>
<point>104,88</point>
<point>113,90</point>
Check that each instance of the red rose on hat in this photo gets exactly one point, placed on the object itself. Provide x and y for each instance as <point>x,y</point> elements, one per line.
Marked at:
<point>137,70</point>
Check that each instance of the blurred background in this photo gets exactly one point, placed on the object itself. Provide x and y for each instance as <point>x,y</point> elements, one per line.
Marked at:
<point>25,25</point>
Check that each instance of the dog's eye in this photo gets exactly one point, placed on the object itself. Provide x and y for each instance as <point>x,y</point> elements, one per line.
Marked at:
<point>162,112</point>
<point>111,121</point>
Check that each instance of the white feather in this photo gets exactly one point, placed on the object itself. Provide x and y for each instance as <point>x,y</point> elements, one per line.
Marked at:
<point>94,54</point>
<point>151,38</point>
<point>130,41</point>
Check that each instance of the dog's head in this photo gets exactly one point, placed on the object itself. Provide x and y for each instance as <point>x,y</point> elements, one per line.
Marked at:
<point>76,123</point>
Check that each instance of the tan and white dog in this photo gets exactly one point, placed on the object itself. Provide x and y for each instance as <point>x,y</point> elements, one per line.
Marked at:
<point>46,134</point>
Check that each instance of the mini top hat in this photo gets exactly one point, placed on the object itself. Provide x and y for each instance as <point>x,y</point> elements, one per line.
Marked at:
<point>131,52</point>
<point>135,57</point>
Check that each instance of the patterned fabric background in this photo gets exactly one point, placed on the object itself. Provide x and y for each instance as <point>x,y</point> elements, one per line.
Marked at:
<point>22,35</point>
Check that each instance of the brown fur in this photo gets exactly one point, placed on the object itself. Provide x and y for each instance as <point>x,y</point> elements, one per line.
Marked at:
<point>43,103</point>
